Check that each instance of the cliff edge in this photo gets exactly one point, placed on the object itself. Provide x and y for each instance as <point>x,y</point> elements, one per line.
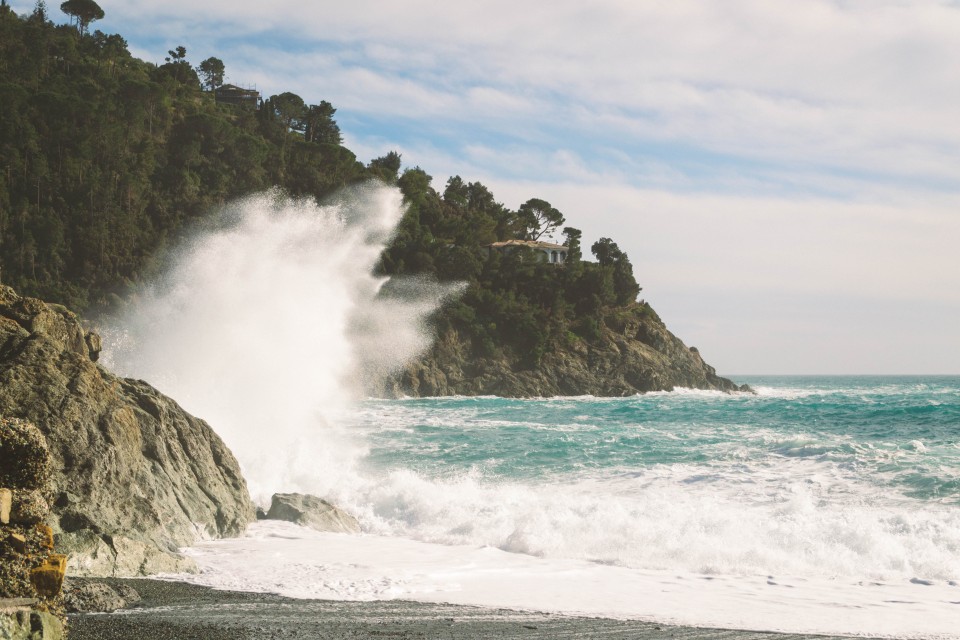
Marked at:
<point>135,477</point>
<point>632,353</point>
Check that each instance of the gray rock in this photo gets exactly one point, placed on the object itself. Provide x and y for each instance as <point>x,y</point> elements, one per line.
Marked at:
<point>91,597</point>
<point>131,468</point>
<point>311,511</point>
<point>30,625</point>
<point>96,597</point>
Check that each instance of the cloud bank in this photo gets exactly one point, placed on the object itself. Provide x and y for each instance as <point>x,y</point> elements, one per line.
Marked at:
<point>784,175</point>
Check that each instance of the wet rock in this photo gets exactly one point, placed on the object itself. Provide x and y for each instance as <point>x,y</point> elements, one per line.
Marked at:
<point>311,511</point>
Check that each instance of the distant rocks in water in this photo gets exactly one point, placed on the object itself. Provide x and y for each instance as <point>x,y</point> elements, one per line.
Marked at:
<point>133,477</point>
<point>633,353</point>
<point>311,511</point>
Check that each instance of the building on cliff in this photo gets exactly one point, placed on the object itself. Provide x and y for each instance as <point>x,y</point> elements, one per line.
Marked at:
<point>546,251</point>
<point>232,94</point>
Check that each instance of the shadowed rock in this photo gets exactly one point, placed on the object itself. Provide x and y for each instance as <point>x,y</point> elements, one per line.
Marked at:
<point>633,353</point>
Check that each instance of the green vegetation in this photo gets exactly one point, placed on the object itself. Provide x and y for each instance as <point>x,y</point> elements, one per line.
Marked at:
<point>105,159</point>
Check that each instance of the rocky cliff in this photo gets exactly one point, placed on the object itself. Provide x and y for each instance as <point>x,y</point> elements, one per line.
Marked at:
<point>134,476</point>
<point>634,353</point>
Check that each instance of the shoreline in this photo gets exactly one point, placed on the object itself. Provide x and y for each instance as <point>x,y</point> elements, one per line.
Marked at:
<point>181,611</point>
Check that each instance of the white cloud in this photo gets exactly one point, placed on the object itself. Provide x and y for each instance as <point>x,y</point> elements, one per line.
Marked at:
<point>804,153</point>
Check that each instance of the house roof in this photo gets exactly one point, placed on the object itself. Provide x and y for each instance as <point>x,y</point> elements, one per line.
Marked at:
<point>533,244</point>
<point>232,88</point>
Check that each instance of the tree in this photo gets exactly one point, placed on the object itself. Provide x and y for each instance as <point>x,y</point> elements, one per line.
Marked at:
<point>606,251</point>
<point>211,71</point>
<point>573,236</point>
<point>290,109</point>
<point>609,255</point>
<point>537,218</point>
<point>83,11</point>
<point>386,167</point>
<point>319,125</point>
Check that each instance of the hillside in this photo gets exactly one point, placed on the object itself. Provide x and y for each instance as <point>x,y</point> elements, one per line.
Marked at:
<point>106,160</point>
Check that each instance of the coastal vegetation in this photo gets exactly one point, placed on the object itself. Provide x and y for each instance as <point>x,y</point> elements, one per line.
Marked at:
<point>105,160</point>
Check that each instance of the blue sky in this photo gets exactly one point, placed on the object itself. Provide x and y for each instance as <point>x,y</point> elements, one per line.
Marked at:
<point>785,176</point>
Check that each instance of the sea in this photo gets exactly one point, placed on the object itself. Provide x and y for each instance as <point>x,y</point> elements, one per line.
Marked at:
<point>819,504</point>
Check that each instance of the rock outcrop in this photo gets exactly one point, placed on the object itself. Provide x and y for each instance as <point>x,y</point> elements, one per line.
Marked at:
<point>311,511</point>
<point>634,353</point>
<point>134,477</point>
<point>91,596</point>
<point>31,573</point>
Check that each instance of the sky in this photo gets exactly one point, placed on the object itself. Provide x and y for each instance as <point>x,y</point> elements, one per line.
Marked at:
<point>784,176</point>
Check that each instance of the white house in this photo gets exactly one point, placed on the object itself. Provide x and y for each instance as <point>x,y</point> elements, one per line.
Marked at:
<point>549,252</point>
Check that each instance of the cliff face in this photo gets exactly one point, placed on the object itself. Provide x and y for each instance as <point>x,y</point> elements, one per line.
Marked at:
<point>135,476</point>
<point>635,353</point>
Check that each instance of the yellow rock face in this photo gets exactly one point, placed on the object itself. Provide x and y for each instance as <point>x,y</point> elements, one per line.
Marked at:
<point>47,579</point>
<point>47,534</point>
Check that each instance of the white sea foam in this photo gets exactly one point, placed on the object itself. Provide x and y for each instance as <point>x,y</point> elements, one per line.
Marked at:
<point>269,322</point>
<point>296,562</point>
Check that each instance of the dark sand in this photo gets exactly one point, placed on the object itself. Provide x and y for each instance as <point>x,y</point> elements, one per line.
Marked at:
<point>177,611</point>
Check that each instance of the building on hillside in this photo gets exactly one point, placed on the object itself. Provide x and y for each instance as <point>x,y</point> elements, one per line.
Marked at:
<point>232,94</point>
<point>546,251</point>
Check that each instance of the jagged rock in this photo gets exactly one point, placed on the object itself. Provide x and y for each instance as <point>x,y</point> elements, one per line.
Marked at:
<point>94,345</point>
<point>29,507</point>
<point>635,353</point>
<point>46,536</point>
<point>47,579</point>
<point>311,511</point>
<point>131,467</point>
<point>24,459</point>
<point>18,542</point>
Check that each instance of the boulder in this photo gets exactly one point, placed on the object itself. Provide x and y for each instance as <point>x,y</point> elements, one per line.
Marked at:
<point>134,477</point>
<point>85,596</point>
<point>47,579</point>
<point>311,511</point>
<point>28,507</point>
<point>24,459</point>
<point>24,624</point>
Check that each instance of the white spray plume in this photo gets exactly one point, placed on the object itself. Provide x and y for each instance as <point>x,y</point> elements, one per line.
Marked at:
<point>270,322</point>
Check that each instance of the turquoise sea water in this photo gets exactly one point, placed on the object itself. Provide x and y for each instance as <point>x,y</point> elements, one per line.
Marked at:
<point>819,476</point>
<point>819,505</point>
<point>901,433</point>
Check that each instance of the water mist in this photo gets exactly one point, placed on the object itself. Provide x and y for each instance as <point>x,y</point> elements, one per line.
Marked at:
<point>269,322</point>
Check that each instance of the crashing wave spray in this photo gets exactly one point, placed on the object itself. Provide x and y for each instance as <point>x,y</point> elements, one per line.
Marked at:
<point>269,322</point>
